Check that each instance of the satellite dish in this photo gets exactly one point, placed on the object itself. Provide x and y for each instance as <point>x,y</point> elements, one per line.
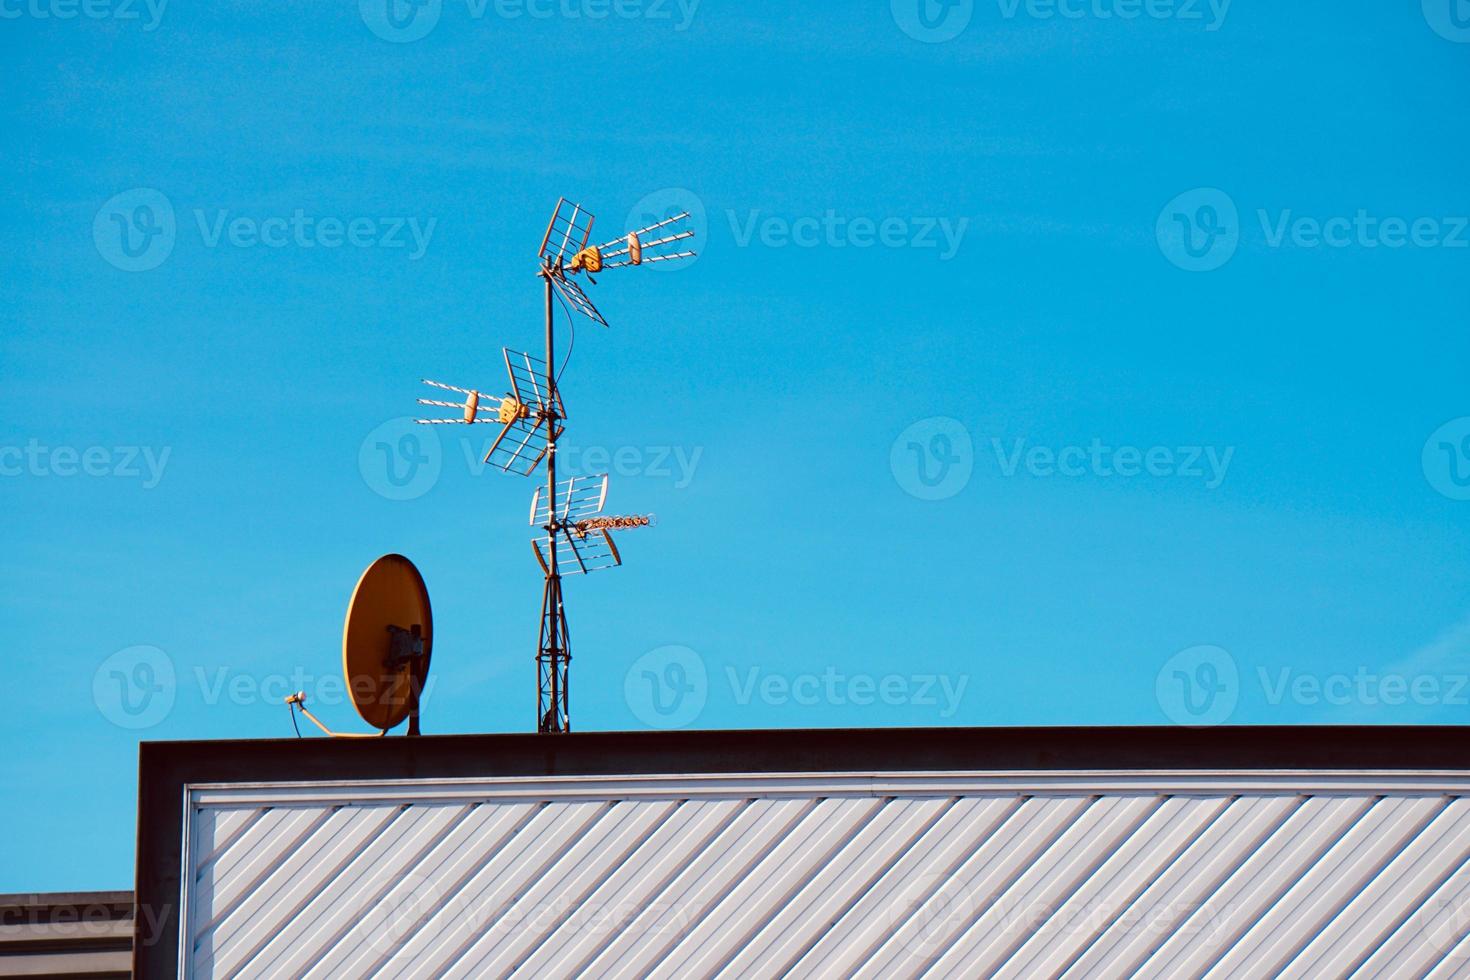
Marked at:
<point>386,643</point>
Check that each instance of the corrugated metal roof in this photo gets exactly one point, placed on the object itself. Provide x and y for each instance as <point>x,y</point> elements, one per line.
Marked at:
<point>962,876</point>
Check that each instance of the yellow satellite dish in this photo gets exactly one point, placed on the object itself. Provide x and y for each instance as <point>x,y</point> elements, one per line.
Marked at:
<point>386,642</point>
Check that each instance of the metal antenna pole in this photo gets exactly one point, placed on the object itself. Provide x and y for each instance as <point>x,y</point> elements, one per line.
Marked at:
<point>554,654</point>
<point>576,528</point>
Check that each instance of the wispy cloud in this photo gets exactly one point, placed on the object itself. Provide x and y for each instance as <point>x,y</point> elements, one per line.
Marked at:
<point>1448,651</point>
<point>1445,658</point>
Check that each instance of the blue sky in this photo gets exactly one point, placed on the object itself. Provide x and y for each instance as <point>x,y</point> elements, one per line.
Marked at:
<point>1083,364</point>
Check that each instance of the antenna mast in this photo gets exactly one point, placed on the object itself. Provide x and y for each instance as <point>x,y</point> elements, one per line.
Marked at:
<point>532,416</point>
<point>554,650</point>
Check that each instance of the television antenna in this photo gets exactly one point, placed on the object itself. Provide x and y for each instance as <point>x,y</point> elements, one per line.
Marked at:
<point>578,537</point>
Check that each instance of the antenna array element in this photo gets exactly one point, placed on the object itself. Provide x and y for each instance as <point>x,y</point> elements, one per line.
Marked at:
<point>577,539</point>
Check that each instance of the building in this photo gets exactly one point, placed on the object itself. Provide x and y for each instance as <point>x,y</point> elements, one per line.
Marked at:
<point>66,934</point>
<point>1308,852</point>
